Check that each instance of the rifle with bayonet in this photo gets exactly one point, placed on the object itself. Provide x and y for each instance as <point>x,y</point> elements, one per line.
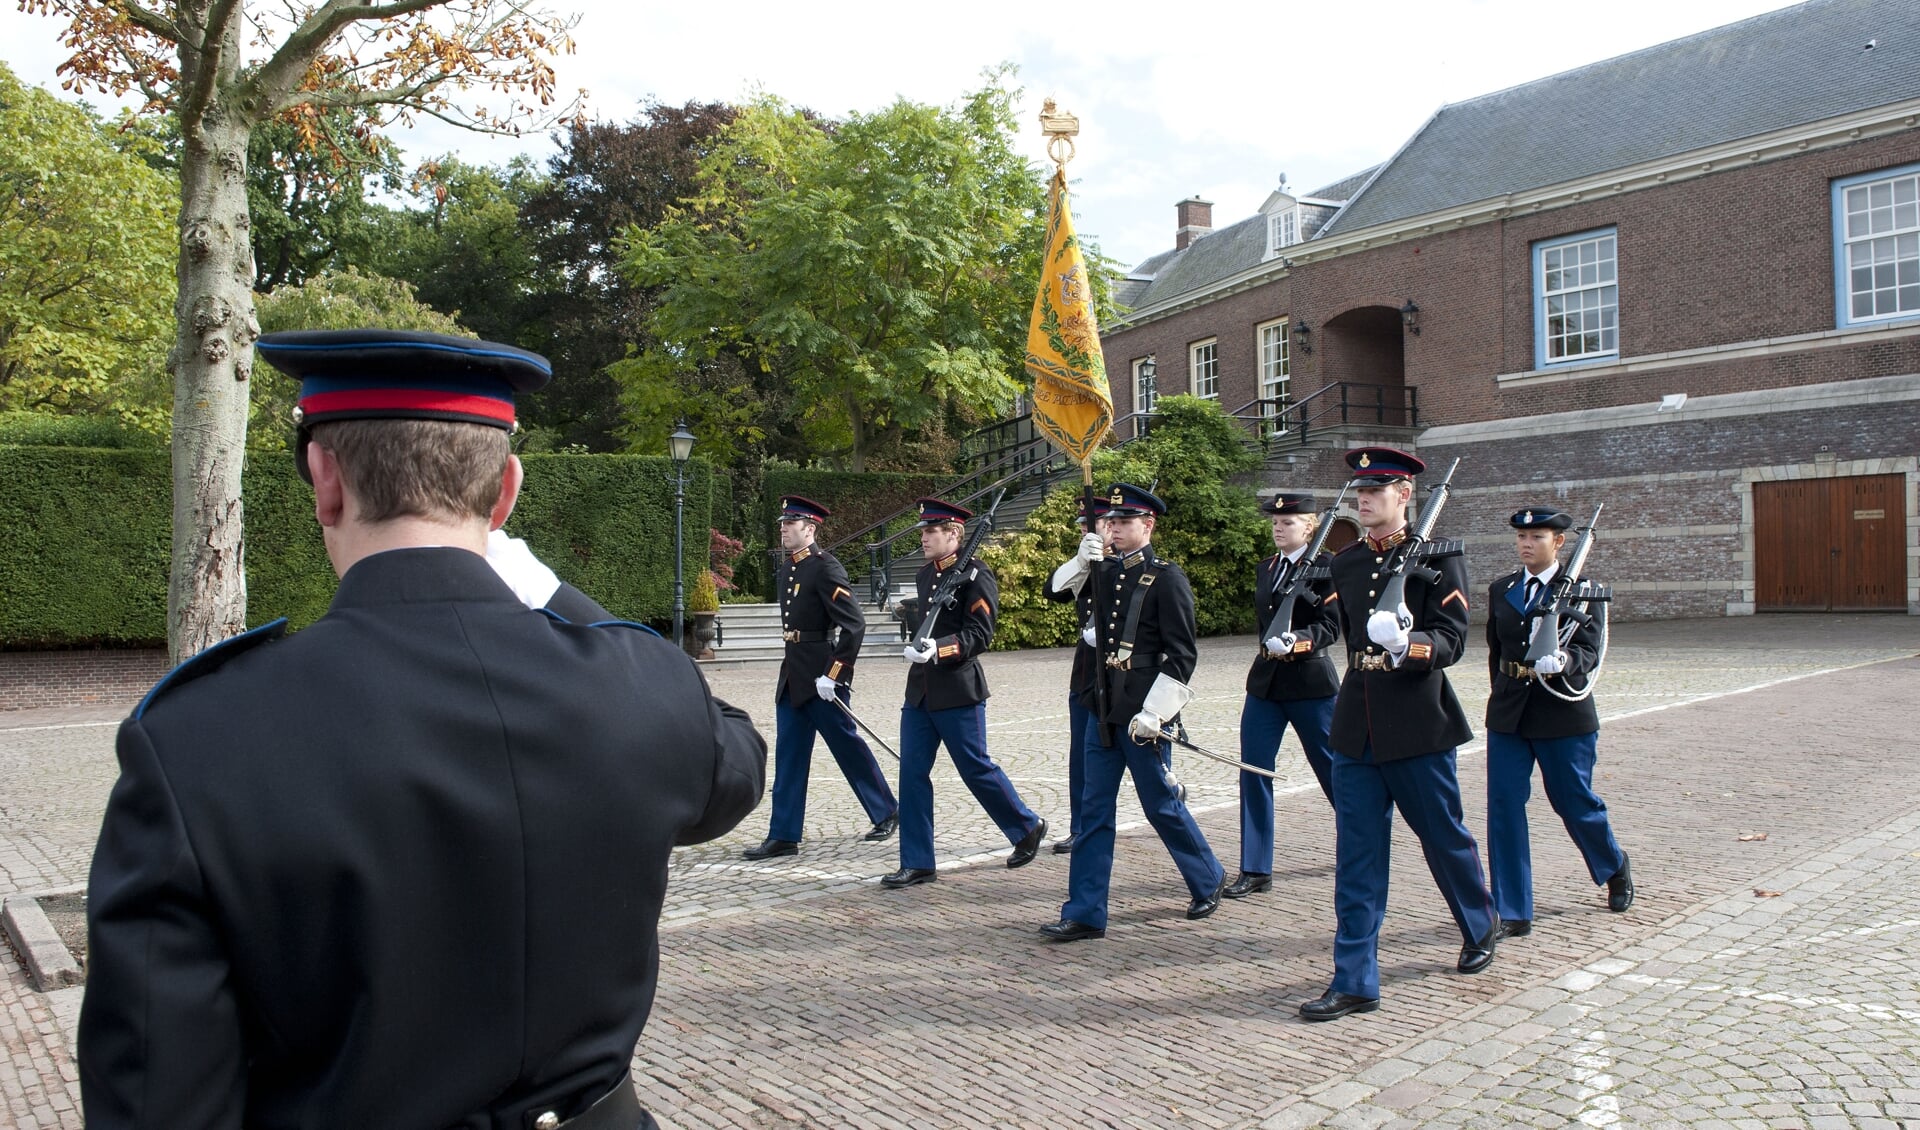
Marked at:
<point>1420,543</point>
<point>948,590</point>
<point>1296,588</point>
<point>1565,611</point>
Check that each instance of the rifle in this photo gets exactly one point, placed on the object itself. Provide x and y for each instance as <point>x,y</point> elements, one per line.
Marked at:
<point>1393,595</point>
<point>1568,590</point>
<point>1295,587</point>
<point>1102,694</point>
<point>947,592</point>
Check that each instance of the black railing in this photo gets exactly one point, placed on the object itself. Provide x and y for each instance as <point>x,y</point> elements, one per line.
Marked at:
<point>1338,404</point>
<point>1019,471</point>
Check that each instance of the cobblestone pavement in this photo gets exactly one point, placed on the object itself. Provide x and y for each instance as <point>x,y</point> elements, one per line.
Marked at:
<point>796,993</point>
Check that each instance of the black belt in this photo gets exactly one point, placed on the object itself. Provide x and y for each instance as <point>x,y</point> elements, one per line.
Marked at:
<point>1132,662</point>
<point>1363,661</point>
<point>803,637</point>
<point>618,1109</point>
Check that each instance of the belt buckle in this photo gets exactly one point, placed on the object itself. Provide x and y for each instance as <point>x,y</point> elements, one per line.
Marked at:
<point>790,637</point>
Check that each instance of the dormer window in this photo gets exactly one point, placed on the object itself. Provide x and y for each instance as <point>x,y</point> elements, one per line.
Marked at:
<point>1283,229</point>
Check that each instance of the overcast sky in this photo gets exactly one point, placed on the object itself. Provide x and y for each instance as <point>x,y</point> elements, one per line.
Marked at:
<point>1215,100</point>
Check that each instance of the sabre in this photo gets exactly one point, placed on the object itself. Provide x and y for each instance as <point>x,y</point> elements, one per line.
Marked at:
<point>871,732</point>
<point>1203,751</point>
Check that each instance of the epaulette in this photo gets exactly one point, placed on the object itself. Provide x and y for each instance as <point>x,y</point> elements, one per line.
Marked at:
<point>209,661</point>
<point>1443,547</point>
<point>626,624</point>
<point>1351,546</point>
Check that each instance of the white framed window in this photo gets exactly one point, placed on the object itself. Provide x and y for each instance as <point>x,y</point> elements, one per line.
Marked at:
<point>1274,365</point>
<point>1203,368</point>
<point>1576,291</point>
<point>1876,246</point>
<point>1283,229</point>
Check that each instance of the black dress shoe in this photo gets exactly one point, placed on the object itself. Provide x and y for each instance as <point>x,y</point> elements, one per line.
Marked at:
<point>909,877</point>
<point>1028,847</point>
<point>1064,847</point>
<point>769,849</point>
<point>1201,907</point>
<point>1515,927</point>
<point>883,830</point>
<point>1475,956</point>
<point>1067,930</point>
<point>1620,887</point>
<point>1249,883</point>
<point>1332,1006</point>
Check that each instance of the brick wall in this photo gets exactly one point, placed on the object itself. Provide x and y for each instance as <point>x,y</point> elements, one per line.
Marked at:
<point>104,677</point>
<point>1738,255</point>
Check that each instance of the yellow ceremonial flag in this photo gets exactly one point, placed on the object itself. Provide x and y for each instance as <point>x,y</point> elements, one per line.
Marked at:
<point>1072,405</point>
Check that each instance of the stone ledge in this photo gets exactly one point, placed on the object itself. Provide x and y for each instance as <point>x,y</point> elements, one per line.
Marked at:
<point>49,965</point>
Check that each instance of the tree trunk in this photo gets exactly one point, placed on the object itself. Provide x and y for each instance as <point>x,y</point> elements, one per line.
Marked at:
<point>211,361</point>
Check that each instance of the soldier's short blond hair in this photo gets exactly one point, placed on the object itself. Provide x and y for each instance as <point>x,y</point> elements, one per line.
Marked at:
<point>418,468</point>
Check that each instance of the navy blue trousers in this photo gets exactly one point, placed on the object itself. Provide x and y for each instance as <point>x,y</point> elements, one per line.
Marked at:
<point>1092,869</point>
<point>1566,771</point>
<point>1426,790</point>
<point>1262,724</point>
<point>1077,717</point>
<point>964,731</point>
<point>793,760</point>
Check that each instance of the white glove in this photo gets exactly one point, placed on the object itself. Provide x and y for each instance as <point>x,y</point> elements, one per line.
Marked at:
<point>1281,644</point>
<point>1092,548</point>
<point>530,580</point>
<point>1550,664</point>
<point>1389,630</point>
<point>826,688</point>
<point>1144,728</point>
<point>1092,637</point>
<point>920,653</point>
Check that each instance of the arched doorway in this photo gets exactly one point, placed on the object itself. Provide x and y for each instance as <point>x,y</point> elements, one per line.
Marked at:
<point>1363,349</point>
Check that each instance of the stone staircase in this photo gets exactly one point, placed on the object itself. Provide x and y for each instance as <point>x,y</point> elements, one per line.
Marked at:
<point>750,633</point>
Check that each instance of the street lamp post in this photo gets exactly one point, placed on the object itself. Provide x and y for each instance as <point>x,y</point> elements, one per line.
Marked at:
<point>680,447</point>
<point>1148,392</point>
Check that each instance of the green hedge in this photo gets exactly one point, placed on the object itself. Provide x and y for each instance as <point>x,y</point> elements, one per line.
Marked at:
<point>857,501</point>
<point>85,536</point>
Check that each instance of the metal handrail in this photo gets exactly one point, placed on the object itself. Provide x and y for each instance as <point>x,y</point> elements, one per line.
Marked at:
<point>861,534</point>
<point>880,554</point>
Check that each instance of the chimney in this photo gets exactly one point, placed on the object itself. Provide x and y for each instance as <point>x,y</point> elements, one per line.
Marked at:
<point>1195,219</point>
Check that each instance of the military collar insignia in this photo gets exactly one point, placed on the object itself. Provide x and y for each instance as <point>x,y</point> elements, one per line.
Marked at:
<point>1381,544</point>
<point>1132,560</point>
<point>797,558</point>
<point>1364,461</point>
<point>946,562</point>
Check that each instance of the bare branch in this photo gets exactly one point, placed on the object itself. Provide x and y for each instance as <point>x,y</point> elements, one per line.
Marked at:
<point>211,58</point>
<point>151,22</point>
<point>283,72</point>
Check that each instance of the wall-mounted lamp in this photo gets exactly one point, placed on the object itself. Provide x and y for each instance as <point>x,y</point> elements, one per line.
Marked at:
<point>1302,334</point>
<point>1410,317</point>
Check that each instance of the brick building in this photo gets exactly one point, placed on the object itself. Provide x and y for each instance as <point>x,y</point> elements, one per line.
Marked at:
<point>1684,282</point>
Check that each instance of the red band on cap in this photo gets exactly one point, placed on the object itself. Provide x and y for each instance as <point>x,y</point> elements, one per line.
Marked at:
<point>404,399</point>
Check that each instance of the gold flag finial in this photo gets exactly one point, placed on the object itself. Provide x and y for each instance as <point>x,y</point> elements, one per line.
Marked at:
<point>1061,128</point>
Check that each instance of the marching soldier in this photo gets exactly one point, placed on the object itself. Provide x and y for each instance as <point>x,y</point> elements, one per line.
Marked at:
<point>1147,606</point>
<point>947,702</point>
<point>1396,725</point>
<point>816,677</point>
<point>1292,682</point>
<point>1069,582</point>
<point>404,867</point>
<point>1528,724</point>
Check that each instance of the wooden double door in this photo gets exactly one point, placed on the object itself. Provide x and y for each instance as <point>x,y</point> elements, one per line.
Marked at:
<point>1831,545</point>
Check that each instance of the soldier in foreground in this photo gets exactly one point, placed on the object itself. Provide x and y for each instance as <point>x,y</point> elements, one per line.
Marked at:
<point>1145,606</point>
<point>403,868</point>
<point>816,677</point>
<point>1529,724</point>
<point>1292,682</point>
<point>1069,582</point>
<point>946,702</point>
<point>1396,725</point>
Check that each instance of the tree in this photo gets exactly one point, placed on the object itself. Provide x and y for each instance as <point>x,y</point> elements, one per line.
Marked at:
<point>85,235</point>
<point>606,178</point>
<point>878,273</point>
<point>188,58</point>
